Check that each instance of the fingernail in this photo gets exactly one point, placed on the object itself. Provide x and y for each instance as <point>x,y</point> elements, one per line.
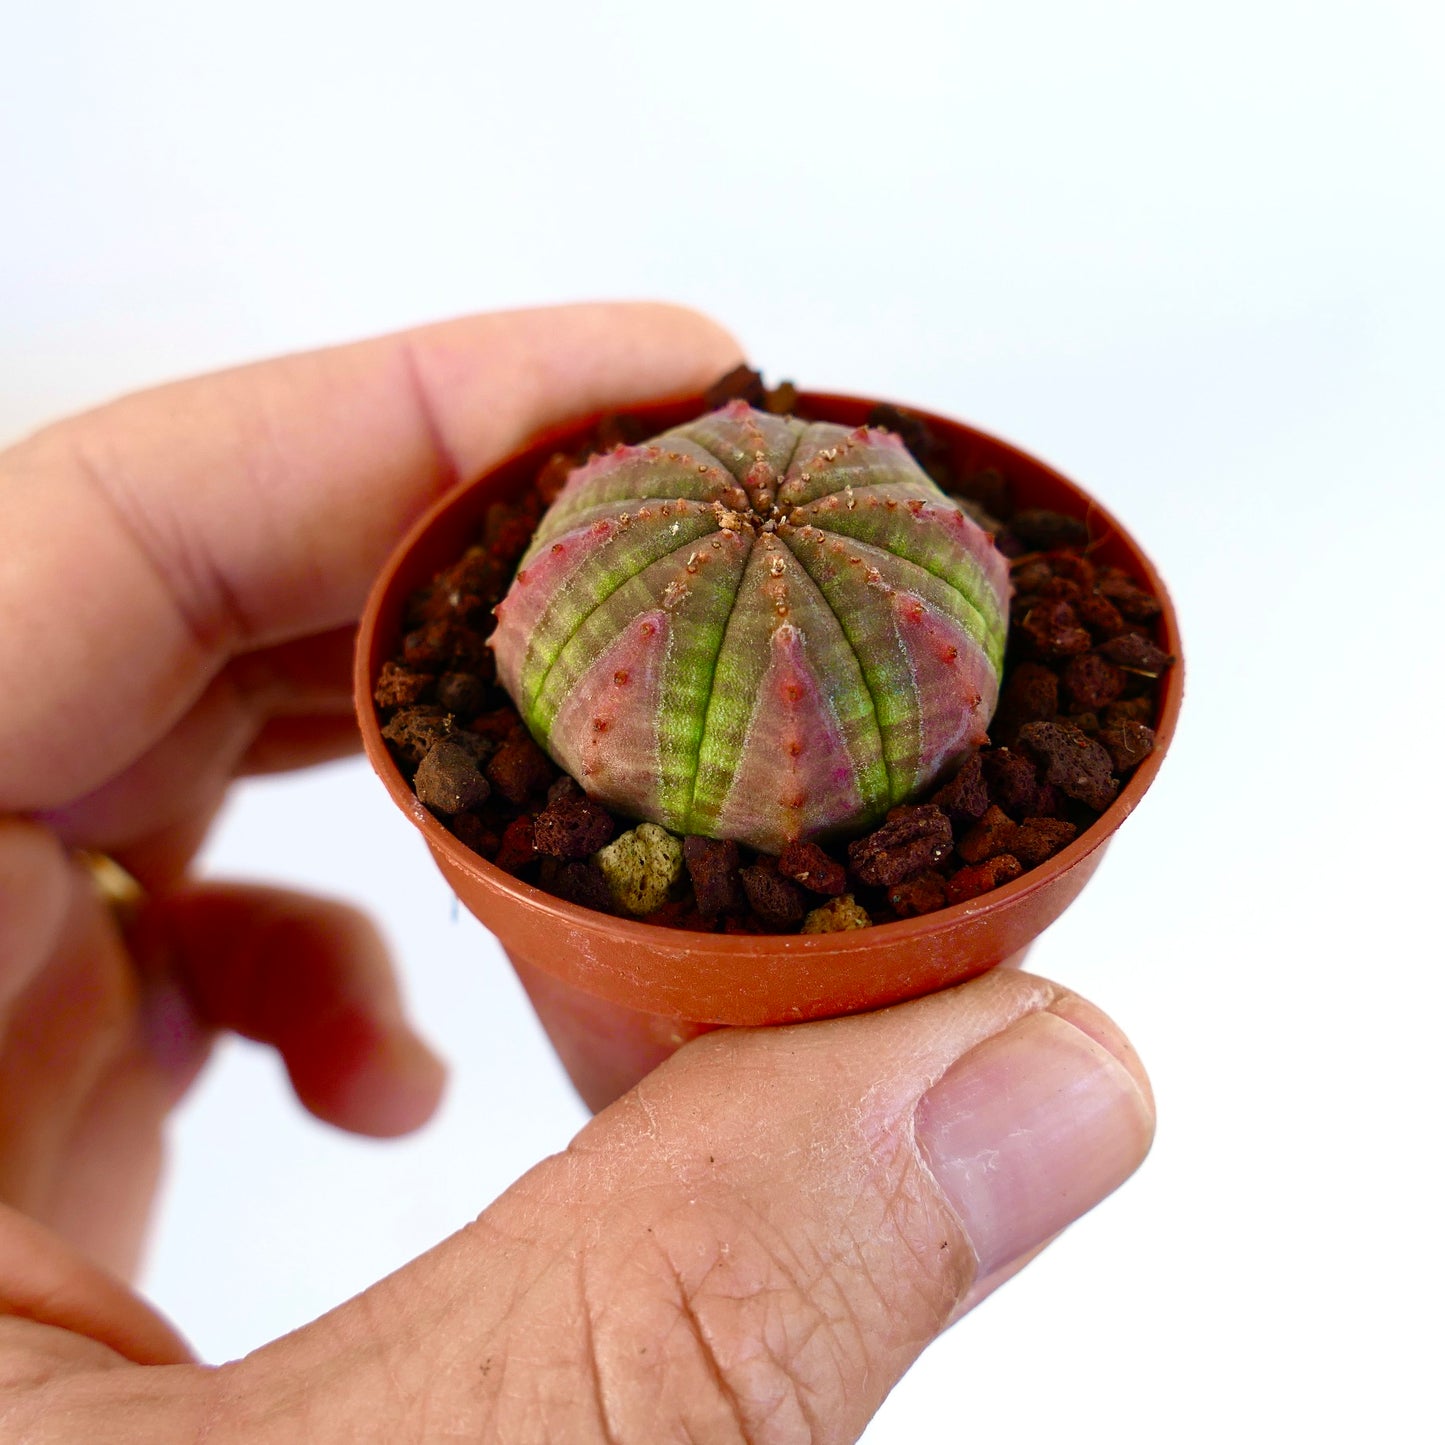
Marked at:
<point>1033,1127</point>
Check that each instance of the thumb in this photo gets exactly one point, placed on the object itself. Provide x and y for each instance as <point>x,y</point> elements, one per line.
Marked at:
<point>754,1243</point>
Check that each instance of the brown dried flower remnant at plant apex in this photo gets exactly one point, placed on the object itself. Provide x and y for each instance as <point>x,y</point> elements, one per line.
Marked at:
<point>1079,696</point>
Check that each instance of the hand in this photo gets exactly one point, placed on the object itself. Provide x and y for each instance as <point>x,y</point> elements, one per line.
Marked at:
<point>753,1243</point>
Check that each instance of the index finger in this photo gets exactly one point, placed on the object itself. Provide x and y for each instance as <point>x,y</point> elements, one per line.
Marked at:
<point>150,540</point>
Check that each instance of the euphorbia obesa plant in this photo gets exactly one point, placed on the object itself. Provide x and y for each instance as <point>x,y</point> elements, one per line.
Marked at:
<point>756,628</point>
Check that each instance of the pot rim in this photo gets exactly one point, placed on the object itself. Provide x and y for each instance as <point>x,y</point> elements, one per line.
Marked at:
<point>623,931</point>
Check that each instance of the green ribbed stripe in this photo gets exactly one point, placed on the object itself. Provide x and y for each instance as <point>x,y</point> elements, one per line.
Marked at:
<point>735,441</point>
<point>577,606</point>
<point>735,694</point>
<point>866,616</point>
<point>932,546</point>
<point>855,464</point>
<point>633,477</point>
<point>702,620</point>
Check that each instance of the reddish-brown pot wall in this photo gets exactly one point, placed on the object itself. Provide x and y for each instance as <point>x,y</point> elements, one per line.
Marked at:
<point>722,979</point>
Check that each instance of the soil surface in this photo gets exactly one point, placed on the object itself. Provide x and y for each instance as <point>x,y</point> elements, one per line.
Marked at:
<point>1079,697</point>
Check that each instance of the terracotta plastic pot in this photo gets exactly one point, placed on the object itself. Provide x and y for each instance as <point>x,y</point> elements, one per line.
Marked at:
<point>663,985</point>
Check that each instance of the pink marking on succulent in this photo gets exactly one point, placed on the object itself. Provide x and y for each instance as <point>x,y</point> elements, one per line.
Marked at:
<point>533,591</point>
<point>606,730</point>
<point>951,677</point>
<point>772,787</point>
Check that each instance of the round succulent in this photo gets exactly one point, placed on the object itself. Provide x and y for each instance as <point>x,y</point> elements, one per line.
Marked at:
<point>755,627</point>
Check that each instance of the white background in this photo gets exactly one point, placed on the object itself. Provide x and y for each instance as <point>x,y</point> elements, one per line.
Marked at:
<point>1190,254</point>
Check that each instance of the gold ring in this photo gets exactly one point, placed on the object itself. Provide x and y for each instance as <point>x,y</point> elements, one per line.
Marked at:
<point>118,890</point>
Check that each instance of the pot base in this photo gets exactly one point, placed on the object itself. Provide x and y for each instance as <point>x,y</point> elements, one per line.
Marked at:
<point>607,1048</point>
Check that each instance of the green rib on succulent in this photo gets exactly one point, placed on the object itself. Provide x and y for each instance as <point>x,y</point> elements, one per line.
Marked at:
<point>755,627</point>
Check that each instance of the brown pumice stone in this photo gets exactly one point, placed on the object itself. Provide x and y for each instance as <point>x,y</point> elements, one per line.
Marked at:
<point>448,779</point>
<point>399,686</point>
<point>1031,841</point>
<point>1072,761</point>
<point>924,892</point>
<point>977,879</point>
<point>912,839</point>
<point>775,899</point>
<point>571,826</point>
<point>462,693</point>
<point>414,731</point>
<point>810,867</point>
<point>964,797</point>
<point>712,865</point>
<point>1128,743</point>
<point>1013,782</point>
<point>519,769</point>
<point>1091,681</point>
